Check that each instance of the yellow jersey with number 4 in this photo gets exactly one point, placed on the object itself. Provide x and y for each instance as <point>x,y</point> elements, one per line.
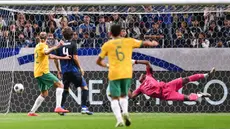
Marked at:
<point>41,60</point>
<point>119,52</point>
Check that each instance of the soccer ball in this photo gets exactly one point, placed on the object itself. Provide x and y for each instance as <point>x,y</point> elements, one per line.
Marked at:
<point>18,88</point>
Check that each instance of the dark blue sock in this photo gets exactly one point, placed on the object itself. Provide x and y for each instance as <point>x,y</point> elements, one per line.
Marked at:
<point>84,98</point>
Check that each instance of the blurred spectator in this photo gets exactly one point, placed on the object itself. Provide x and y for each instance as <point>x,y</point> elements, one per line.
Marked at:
<point>149,16</point>
<point>134,31</point>
<point>4,39</point>
<point>212,33</point>
<point>2,22</point>
<point>28,30</point>
<point>219,44</point>
<point>208,16</point>
<point>57,21</point>
<point>155,32</point>
<point>37,39</point>
<point>212,14</point>
<point>51,41</point>
<point>75,17</point>
<point>93,17</point>
<point>166,19</point>
<point>60,13</point>
<point>20,23</point>
<point>184,28</point>
<point>87,41</point>
<point>102,28</point>
<point>132,18</point>
<point>21,43</point>
<point>36,29</point>
<point>86,28</point>
<point>58,32</point>
<point>118,20</point>
<point>182,17</point>
<point>180,40</point>
<point>143,30</point>
<point>123,32</point>
<point>51,27</point>
<point>195,29</point>
<point>225,33</point>
<point>201,42</point>
<point>76,39</point>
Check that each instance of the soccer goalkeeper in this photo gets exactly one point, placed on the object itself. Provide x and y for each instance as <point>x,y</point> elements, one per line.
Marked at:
<point>168,90</point>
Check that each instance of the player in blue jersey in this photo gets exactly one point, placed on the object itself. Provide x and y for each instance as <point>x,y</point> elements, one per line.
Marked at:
<point>72,71</point>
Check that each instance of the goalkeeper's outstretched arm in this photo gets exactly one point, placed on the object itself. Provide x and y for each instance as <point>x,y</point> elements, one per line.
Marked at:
<point>145,62</point>
<point>134,94</point>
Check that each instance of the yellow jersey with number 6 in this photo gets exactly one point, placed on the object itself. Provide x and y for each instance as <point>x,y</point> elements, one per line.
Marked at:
<point>119,52</point>
<point>41,60</point>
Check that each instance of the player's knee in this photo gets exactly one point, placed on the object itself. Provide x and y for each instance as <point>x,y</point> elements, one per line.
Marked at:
<point>44,94</point>
<point>66,91</point>
<point>59,85</point>
<point>115,98</point>
<point>123,96</point>
<point>84,88</point>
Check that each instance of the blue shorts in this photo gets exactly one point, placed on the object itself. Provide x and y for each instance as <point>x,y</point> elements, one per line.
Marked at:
<point>75,78</point>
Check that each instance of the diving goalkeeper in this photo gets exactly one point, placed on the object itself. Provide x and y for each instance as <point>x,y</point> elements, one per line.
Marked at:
<point>168,90</point>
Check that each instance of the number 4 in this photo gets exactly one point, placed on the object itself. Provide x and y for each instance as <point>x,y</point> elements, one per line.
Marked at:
<point>65,51</point>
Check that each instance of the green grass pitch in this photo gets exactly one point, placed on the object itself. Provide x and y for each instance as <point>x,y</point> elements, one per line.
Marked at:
<point>107,121</point>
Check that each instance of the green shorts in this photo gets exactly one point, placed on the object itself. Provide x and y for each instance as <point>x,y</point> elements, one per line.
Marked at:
<point>119,87</point>
<point>46,81</point>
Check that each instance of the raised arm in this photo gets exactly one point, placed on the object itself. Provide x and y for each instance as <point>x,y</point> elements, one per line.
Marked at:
<point>49,50</point>
<point>138,43</point>
<point>150,43</point>
<point>68,57</point>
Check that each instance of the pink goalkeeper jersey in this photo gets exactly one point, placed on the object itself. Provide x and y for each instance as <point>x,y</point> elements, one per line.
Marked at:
<point>150,86</point>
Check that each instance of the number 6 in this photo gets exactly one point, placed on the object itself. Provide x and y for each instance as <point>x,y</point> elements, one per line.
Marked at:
<point>120,55</point>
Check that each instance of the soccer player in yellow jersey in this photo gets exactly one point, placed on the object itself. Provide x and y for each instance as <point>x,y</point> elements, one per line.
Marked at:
<point>42,74</point>
<point>119,51</point>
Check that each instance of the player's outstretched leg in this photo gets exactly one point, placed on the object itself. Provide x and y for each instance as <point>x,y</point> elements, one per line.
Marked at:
<point>196,97</point>
<point>197,77</point>
<point>38,103</point>
<point>59,91</point>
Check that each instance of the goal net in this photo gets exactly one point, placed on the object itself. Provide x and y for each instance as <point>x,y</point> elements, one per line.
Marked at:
<point>193,38</point>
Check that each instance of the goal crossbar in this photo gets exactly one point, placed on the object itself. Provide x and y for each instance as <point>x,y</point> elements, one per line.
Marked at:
<point>110,2</point>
